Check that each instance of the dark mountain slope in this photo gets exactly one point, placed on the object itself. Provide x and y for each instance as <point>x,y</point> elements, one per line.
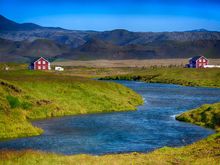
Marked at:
<point>96,49</point>
<point>31,40</point>
<point>123,37</point>
<point>11,51</point>
<point>8,25</point>
<point>73,38</point>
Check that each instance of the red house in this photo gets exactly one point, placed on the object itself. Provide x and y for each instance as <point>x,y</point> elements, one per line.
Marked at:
<point>40,64</point>
<point>198,62</point>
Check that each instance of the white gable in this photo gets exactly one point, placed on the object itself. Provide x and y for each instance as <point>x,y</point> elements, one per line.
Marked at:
<point>43,59</point>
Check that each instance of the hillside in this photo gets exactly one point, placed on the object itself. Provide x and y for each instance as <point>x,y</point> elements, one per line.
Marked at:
<point>8,25</point>
<point>21,42</point>
<point>74,38</point>
<point>93,49</point>
<point>24,51</point>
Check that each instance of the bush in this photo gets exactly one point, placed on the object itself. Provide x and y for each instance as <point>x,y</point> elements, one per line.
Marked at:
<point>13,101</point>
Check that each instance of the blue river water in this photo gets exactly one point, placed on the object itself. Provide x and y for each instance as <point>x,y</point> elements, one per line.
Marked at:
<point>152,126</point>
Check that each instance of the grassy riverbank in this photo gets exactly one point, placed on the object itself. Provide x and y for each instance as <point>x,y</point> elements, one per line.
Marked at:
<point>206,151</point>
<point>30,95</point>
<point>207,115</point>
<point>201,153</point>
<point>180,76</point>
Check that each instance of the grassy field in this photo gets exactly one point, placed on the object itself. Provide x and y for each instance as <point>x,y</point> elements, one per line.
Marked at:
<point>181,76</point>
<point>209,77</point>
<point>206,151</point>
<point>29,95</point>
<point>130,63</point>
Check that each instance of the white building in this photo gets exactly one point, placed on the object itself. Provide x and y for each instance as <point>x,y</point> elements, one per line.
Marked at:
<point>59,68</point>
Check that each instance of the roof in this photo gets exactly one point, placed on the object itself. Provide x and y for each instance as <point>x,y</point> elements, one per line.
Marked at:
<point>36,59</point>
<point>196,58</point>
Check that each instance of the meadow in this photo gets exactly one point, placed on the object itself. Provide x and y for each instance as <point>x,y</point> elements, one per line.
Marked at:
<point>30,95</point>
<point>129,63</point>
<point>174,75</point>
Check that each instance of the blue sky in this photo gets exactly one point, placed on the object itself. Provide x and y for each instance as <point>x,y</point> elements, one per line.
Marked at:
<point>133,15</point>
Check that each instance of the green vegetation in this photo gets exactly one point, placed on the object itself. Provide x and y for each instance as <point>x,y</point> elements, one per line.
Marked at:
<point>180,76</point>
<point>200,153</point>
<point>30,95</point>
<point>204,152</point>
<point>207,115</point>
<point>13,66</point>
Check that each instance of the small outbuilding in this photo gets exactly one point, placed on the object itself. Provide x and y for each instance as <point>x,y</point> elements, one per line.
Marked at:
<point>40,64</point>
<point>59,68</point>
<point>197,62</point>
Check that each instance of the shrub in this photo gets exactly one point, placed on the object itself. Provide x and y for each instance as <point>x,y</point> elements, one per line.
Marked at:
<point>13,101</point>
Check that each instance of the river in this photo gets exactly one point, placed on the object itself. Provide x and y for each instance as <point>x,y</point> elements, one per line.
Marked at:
<point>152,126</point>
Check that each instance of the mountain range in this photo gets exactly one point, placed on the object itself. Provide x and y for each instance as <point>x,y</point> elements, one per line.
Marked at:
<point>23,42</point>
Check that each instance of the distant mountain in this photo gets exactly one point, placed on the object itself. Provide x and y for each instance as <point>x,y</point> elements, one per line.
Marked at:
<point>97,49</point>
<point>27,31</point>
<point>23,51</point>
<point>8,25</point>
<point>21,42</point>
<point>198,30</point>
<point>124,37</point>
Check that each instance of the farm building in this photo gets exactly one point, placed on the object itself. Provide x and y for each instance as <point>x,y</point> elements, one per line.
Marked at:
<point>59,68</point>
<point>197,62</point>
<point>40,64</point>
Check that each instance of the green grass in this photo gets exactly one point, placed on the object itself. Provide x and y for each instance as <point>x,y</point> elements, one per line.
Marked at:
<point>181,76</point>
<point>31,95</point>
<point>207,115</point>
<point>13,66</point>
<point>206,151</point>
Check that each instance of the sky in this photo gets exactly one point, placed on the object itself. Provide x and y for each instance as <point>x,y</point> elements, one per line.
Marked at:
<point>101,15</point>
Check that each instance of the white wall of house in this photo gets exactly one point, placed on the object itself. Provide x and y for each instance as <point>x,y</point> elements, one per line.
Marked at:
<point>212,66</point>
